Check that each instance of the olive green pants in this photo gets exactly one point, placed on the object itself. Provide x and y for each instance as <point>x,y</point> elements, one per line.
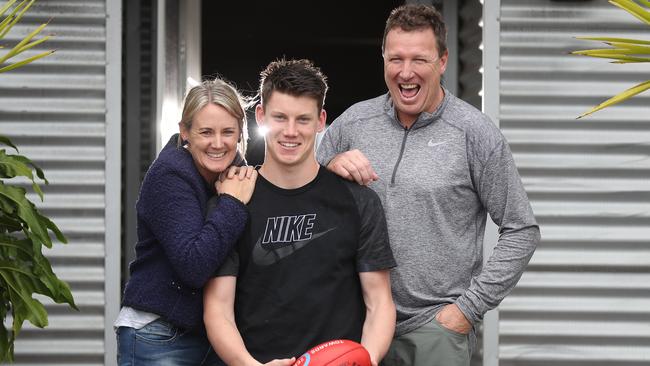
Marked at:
<point>430,345</point>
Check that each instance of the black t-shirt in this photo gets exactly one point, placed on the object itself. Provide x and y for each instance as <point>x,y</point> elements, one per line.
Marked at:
<point>297,264</point>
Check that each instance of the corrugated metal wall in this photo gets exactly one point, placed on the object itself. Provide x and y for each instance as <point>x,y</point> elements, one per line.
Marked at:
<point>139,106</point>
<point>56,112</point>
<point>585,299</point>
<point>469,52</point>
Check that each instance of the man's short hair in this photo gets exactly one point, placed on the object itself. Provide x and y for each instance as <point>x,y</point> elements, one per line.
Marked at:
<point>294,77</point>
<point>415,17</point>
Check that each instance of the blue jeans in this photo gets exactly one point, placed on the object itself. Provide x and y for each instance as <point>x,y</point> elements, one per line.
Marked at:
<point>163,344</point>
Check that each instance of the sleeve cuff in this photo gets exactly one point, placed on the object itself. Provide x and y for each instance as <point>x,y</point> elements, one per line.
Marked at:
<point>233,198</point>
<point>470,310</point>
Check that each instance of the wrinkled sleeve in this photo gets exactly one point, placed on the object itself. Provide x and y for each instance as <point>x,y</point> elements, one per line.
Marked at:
<point>230,266</point>
<point>502,193</point>
<point>374,253</point>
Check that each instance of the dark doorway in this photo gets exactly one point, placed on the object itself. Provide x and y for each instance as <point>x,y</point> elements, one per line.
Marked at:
<point>342,38</point>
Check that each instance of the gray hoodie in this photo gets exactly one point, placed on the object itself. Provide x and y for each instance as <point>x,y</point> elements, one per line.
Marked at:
<point>437,181</point>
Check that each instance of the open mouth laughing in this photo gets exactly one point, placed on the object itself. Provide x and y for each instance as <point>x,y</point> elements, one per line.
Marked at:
<point>409,91</point>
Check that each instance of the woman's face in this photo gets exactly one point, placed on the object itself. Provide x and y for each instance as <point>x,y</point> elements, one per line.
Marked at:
<point>212,140</point>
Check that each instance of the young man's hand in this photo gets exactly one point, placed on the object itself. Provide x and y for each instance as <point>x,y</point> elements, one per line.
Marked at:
<point>282,362</point>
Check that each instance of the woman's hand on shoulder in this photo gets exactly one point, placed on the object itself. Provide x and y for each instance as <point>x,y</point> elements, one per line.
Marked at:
<point>240,172</point>
<point>238,182</point>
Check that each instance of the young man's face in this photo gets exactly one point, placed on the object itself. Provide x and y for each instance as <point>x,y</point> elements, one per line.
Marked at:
<point>412,71</point>
<point>291,125</point>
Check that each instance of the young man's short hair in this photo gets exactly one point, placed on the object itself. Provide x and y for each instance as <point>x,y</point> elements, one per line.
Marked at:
<point>294,77</point>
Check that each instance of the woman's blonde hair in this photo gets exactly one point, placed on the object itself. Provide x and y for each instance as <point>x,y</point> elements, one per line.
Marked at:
<point>220,93</point>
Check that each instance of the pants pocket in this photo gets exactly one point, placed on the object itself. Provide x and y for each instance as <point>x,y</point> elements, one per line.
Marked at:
<point>158,331</point>
<point>459,335</point>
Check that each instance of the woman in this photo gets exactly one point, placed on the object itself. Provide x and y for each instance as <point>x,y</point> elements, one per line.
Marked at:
<point>182,239</point>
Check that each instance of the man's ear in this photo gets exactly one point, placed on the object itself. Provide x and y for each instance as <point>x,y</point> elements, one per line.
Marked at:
<point>259,115</point>
<point>443,61</point>
<point>322,118</point>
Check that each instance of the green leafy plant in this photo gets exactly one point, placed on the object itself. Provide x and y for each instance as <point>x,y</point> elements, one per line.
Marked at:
<point>11,13</point>
<point>623,50</point>
<point>24,270</point>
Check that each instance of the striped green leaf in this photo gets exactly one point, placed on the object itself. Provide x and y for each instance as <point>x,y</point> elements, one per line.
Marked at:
<point>633,8</point>
<point>629,93</point>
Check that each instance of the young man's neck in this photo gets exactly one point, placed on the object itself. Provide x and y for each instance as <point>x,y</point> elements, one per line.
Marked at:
<point>290,176</point>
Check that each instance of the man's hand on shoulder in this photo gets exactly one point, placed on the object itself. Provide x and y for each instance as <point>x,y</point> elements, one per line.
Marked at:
<point>354,166</point>
<point>452,318</point>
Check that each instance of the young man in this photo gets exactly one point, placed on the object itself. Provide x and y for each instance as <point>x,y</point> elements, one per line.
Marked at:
<point>312,264</point>
<point>440,166</point>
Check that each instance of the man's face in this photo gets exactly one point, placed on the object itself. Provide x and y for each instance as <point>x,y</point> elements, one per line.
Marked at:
<point>291,125</point>
<point>412,71</point>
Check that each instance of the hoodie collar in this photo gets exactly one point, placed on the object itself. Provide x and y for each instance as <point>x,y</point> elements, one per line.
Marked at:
<point>425,118</point>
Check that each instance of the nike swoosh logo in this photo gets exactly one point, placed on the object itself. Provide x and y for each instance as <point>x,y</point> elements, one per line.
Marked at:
<point>433,143</point>
<point>263,257</point>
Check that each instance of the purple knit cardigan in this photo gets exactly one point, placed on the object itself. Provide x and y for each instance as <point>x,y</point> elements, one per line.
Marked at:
<point>180,245</point>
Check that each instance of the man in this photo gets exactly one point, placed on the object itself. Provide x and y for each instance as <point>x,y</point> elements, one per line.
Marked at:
<point>313,263</point>
<point>439,166</point>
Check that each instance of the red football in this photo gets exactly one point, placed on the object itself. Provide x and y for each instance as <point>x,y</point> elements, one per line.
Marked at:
<point>339,352</point>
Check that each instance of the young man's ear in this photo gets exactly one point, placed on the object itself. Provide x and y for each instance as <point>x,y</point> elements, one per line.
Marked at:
<point>322,118</point>
<point>259,115</point>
